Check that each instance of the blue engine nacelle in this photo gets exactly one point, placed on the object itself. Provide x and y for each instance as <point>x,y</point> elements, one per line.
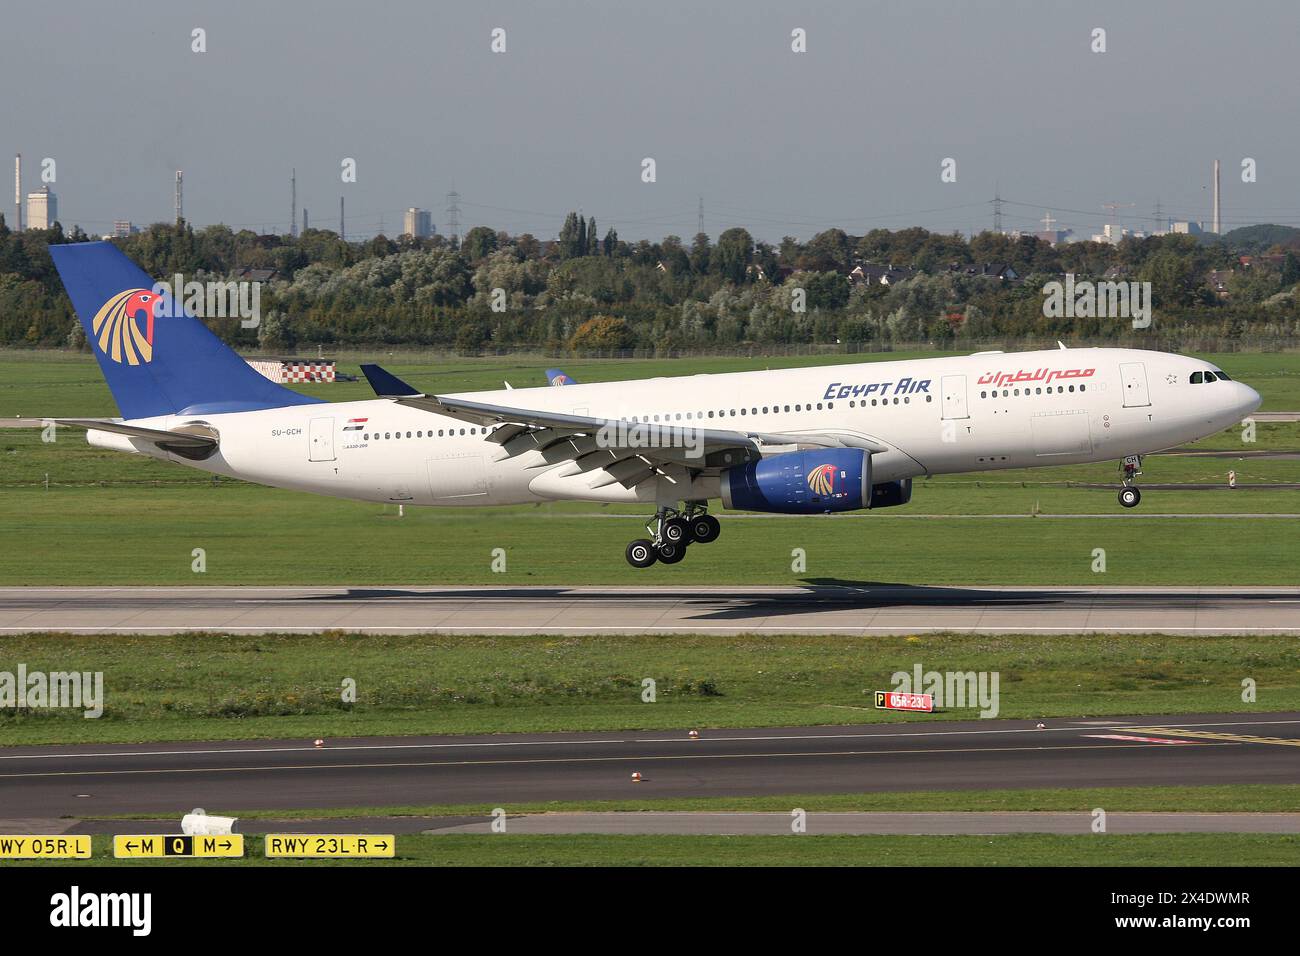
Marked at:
<point>801,482</point>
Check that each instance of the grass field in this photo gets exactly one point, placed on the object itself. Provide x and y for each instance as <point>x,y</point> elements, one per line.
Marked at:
<point>26,460</point>
<point>46,384</point>
<point>76,515</point>
<point>1178,849</point>
<point>196,687</point>
<point>1243,798</point>
<point>42,384</point>
<point>254,535</point>
<point>112,519</point>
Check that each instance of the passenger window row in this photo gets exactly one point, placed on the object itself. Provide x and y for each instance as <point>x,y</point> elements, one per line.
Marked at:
<point>1008,392</point>
<point>764,410</point>
<point>450,433</point>
<point>673,416</point>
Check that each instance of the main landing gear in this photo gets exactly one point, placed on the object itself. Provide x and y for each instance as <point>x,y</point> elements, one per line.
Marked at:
<point>1129,496</point>
<point>671,531</point>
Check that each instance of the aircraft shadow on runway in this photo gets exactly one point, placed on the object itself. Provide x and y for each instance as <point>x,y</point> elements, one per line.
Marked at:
<point>820,595</point>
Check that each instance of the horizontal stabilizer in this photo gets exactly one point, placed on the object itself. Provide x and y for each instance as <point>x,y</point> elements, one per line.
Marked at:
<point>196,442</point>
<point>157,435</point>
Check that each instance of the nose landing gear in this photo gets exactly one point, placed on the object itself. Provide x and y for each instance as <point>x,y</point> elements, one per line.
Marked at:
<point>1129,495</point>
<point>670,533</point>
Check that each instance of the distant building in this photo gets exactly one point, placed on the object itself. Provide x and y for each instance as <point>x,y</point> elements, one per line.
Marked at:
<point>250,274</point>
<point>42,209</point>
<point>417,223</point>
<point>1111,235</point>
<point>872,274</point>
<point>1273,261</point>
<point>1000,271</point>
<point>123,228</point>
<point>1186,228</point>
<point>1003,272</point>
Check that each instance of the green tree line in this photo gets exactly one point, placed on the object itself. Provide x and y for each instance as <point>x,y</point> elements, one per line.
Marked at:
<point>583,290</point>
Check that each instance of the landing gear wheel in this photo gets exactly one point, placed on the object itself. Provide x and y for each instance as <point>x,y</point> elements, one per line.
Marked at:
<point>674,531</point>
<point>705,529</point>
<point>1129,497</point>
<point>641,553</point>
<point>670,553</point>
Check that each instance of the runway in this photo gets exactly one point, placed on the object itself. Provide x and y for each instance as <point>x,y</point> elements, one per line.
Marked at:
<point>819,606</point>
<point>168,779</point>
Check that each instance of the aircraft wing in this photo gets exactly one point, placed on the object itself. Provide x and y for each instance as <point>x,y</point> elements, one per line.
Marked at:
<point>482,413</point>
<point>626,452</point>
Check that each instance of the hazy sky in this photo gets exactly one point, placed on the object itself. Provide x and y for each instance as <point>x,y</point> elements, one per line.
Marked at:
<point>850,133</point>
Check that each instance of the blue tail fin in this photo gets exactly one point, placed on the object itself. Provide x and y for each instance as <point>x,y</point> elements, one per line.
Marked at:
<point>158,359</point>
<point>557,377</point>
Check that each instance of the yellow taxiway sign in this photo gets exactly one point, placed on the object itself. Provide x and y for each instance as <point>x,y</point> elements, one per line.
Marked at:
<point>44,847</point>
<point>330,844</point>
<point>126,846</point>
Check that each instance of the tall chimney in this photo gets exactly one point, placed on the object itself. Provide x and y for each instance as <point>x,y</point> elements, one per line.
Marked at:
<point>180,198</point>
<point>18,192</point>
<point>1214,228</point>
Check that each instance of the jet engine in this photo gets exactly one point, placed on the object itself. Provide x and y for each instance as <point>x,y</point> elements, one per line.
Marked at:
<point>810,482</point>
<point>800,482</point>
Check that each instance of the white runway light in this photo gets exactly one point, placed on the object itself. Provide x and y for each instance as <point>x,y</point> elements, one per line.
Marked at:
<point>200,823</point>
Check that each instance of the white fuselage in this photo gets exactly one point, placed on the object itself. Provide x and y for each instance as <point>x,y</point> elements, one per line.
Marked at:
<point>932,416</point>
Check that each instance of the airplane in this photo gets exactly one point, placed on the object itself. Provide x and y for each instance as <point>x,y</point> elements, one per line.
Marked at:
<point>790,441</point>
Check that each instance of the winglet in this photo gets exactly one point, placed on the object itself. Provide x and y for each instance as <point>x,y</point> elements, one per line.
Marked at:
<point>386,384</point>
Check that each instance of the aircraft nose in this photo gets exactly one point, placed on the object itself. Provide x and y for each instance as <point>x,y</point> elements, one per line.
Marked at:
<point>1249,399</point>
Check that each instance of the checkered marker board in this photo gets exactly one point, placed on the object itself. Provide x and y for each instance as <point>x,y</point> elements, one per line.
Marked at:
<point>289,371</point>
<point>308,372</point>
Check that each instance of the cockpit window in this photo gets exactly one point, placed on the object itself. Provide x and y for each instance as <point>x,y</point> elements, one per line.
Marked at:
<point>1197,378</point>
<point>1209,376</point>
<point>1223,376</point>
